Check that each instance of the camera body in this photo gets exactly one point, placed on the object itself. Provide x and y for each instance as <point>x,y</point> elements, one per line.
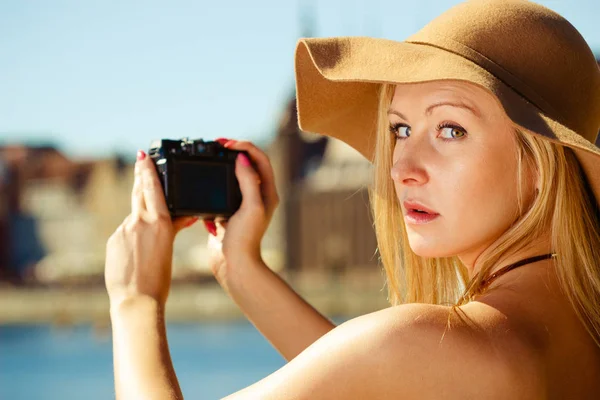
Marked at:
<point>197,177</point>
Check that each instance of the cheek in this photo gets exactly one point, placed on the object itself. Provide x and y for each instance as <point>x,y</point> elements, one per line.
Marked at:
<point>477,200</point>
<point>482,202</point>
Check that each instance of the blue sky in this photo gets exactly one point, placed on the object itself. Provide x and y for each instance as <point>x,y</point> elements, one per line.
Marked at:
<point>97,76</point>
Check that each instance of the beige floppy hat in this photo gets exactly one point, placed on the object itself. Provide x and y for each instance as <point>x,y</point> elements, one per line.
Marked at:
<point>533,60</point>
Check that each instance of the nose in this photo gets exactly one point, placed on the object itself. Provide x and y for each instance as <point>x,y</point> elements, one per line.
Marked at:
<point>409,162</point>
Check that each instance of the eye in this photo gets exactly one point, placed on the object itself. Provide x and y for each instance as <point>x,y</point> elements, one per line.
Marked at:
<point>454,131</point>
<point>400,130</point>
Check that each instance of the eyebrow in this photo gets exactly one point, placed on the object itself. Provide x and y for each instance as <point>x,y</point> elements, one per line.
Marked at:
<point>429,109</point>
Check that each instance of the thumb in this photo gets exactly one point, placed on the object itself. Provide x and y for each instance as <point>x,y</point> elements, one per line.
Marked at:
<point>182,223</point>
<point>249,182</point>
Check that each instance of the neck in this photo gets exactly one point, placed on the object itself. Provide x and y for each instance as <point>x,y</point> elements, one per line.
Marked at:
<point>538,247</point>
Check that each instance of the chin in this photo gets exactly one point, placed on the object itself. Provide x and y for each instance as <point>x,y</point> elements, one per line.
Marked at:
<point>430,253</point>
<point>429,250</point>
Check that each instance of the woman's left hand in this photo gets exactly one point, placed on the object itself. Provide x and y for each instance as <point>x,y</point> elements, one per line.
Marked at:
<point>140,251</point>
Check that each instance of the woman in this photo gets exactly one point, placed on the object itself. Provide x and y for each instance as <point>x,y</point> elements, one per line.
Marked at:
<point>486,202</point>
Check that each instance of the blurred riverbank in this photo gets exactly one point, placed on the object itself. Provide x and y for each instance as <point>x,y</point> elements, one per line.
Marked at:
<point>350,294</point>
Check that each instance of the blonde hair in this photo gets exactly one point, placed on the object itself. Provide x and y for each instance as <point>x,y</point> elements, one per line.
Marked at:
<point>564,205</point>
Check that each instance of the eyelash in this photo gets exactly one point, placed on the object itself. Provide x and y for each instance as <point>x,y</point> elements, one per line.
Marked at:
<point>394,130</point>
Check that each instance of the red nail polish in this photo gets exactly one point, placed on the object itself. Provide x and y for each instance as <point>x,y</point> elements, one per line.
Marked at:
<point>222,141</point>
<point>244,160</point>
<point>230,143</point>
<point>211,227</point>
<point>141,155</point>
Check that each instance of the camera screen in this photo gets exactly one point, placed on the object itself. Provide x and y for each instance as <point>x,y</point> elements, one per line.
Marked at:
<point>201,185</point>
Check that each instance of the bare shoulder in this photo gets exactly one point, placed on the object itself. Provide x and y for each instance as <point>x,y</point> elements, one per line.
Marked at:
<point>473,351</point>
<point>417,350</point>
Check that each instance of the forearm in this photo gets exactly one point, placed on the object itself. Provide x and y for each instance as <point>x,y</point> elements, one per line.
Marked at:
<point>278,312</point>
<point>142,363</point>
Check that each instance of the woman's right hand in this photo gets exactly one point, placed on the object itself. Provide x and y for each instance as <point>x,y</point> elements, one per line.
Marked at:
<point>236,242</point>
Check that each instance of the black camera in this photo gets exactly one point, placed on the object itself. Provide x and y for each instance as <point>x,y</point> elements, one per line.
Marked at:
<point>197,177</point>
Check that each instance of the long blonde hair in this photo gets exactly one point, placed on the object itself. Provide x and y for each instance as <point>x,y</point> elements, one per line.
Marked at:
<point>565,205</point>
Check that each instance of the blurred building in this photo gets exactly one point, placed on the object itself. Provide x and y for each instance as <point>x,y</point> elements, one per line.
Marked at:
<point>322,183</point>
<point>55,211</point>
<point>323,221</point>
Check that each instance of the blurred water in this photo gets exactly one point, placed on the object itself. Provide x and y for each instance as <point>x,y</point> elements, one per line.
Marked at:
<point>212,360</point>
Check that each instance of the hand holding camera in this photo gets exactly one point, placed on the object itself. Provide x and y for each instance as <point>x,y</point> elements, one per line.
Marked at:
<point>140,251</point>
<point>235,242</point>
<point>218,182</point>
<point>174,187</point>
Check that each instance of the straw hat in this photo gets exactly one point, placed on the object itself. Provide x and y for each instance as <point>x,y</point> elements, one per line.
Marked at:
<point>533,60</point>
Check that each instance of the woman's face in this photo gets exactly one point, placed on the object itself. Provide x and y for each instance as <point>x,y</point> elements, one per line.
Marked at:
<point>454,154</point>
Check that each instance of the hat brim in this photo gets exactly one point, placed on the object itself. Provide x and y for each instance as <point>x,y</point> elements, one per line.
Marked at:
<point>338,81</point>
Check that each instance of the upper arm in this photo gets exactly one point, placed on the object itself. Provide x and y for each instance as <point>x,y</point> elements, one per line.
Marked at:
<point>407,352</point>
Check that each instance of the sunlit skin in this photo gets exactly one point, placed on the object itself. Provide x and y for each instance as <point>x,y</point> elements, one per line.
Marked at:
<point>466,172</point>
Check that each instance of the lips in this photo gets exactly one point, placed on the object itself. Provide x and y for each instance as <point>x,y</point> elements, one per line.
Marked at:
<point>416,213</point>
<point>415,206</point>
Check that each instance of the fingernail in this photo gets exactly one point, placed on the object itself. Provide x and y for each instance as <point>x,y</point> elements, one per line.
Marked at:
<point>230,143</point>
<point>244,160</point>
<point>191,222</point>
<point>211,227</point>
<point>222,141</point>
<point>141,155</point>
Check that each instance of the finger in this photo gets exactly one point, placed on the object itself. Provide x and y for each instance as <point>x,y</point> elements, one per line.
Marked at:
<point>249,183</point>
<point>221,221</point>
<point>124,223</point>
<point>127,219</point>
<point>221,227</point>
<point>119,231</point>
<point>264,168</point>
<point>210,226</point>
<point>181,223</point>
<point>154,197</point>
<point>214,243</point>
<point>137,196</point>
